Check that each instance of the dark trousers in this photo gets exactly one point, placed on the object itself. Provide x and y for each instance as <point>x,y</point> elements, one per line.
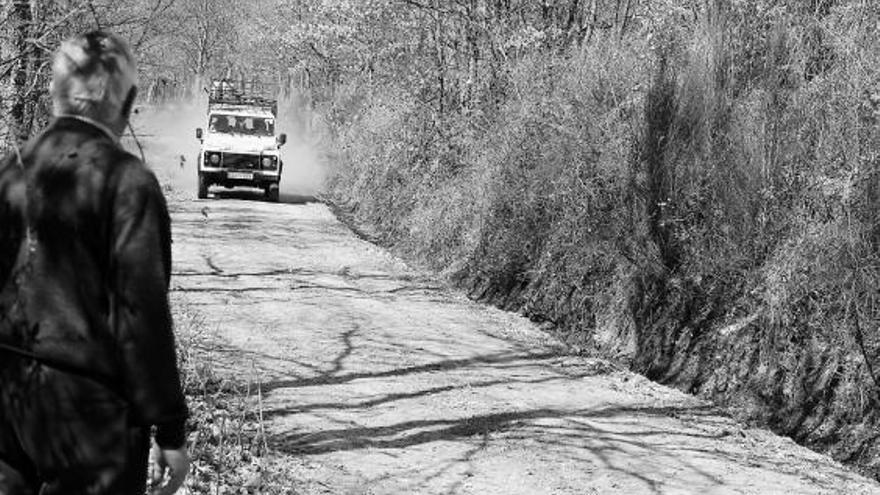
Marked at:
<point>62,433</point>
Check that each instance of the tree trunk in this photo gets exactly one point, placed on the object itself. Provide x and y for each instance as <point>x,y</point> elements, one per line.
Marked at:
<point>594,18</point>
<point>473,45</point>
<point>440,58</point>
<point>573,8</point>
<point>627,13</point>
<point>20,20</point>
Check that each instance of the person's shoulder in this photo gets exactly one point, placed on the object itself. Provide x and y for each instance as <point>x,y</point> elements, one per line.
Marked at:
<point>80,143</point>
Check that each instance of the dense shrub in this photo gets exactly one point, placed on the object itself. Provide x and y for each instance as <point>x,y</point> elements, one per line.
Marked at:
<point>700,200</point>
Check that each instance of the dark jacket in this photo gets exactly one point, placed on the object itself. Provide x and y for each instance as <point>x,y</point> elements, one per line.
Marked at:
<point>85,262</point>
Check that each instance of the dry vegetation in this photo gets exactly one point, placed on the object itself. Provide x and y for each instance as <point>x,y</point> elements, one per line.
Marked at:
<point>227,440</point>
<point>697,197</point>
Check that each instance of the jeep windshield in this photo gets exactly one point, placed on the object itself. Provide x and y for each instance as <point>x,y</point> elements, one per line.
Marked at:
<point>240,124</point>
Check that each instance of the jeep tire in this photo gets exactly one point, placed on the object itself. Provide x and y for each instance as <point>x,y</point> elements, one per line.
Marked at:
<point>271,193</point>
<point>203,187</point>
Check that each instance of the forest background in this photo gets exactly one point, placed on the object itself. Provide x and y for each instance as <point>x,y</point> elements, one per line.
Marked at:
<point>690,186</point>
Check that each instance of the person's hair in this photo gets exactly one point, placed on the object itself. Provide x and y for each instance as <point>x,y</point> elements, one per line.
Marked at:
<point>94,75</point>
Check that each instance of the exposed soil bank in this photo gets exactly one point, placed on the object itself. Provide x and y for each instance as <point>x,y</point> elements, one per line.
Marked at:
<point>802,387</point>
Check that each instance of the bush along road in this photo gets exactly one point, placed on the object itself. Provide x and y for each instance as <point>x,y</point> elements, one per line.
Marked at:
<point>362,375</point>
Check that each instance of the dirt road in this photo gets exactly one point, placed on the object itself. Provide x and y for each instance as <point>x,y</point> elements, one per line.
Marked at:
<point>384,381</point>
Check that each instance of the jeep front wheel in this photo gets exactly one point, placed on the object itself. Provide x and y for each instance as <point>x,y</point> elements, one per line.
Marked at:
<point>272,193</point>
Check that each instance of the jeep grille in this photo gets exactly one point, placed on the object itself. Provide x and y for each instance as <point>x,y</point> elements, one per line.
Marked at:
<point>241,161</point>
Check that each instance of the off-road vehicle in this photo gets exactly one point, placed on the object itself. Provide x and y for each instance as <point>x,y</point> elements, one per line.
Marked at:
<point>239,147</point>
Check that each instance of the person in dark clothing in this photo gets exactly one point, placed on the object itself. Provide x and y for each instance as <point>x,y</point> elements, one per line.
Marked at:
<point>87,352</point>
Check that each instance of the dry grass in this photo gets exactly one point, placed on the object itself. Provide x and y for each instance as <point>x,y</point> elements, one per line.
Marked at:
<point>228,442</point>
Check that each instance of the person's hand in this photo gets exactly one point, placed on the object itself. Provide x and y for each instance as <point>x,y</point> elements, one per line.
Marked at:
<point>168,468</point>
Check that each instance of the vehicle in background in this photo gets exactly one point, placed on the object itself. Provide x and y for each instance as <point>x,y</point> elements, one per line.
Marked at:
<point>239,147</point>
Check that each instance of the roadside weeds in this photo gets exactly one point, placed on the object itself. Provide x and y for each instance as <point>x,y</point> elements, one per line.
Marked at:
<point>227,441</point>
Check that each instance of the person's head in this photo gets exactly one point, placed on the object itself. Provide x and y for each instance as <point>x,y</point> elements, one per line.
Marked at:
<point>94,75</point>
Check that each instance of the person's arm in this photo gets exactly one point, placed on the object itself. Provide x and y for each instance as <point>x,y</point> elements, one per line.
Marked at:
<point>141,270</point>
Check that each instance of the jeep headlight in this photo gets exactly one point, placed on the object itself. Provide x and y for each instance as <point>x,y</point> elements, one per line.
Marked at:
<point>270,162</point>
<point>213,158</point>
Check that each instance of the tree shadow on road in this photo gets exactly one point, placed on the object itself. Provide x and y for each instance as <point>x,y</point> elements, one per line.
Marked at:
<point>645,446</point>
<point>565,435</point>
<point>409,433</point>
<point>331,378</point>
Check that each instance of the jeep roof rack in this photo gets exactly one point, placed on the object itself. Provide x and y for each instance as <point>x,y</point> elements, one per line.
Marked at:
<point>252,93</point>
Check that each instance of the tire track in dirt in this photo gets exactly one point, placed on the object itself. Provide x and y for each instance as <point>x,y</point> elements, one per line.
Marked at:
<point>383,381</point>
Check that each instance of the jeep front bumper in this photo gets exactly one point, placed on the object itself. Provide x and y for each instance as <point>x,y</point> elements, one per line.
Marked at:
<point>240,178</point>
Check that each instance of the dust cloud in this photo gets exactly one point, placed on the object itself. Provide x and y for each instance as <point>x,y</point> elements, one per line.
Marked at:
<point>167,135</point>
<point>305,169</point>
